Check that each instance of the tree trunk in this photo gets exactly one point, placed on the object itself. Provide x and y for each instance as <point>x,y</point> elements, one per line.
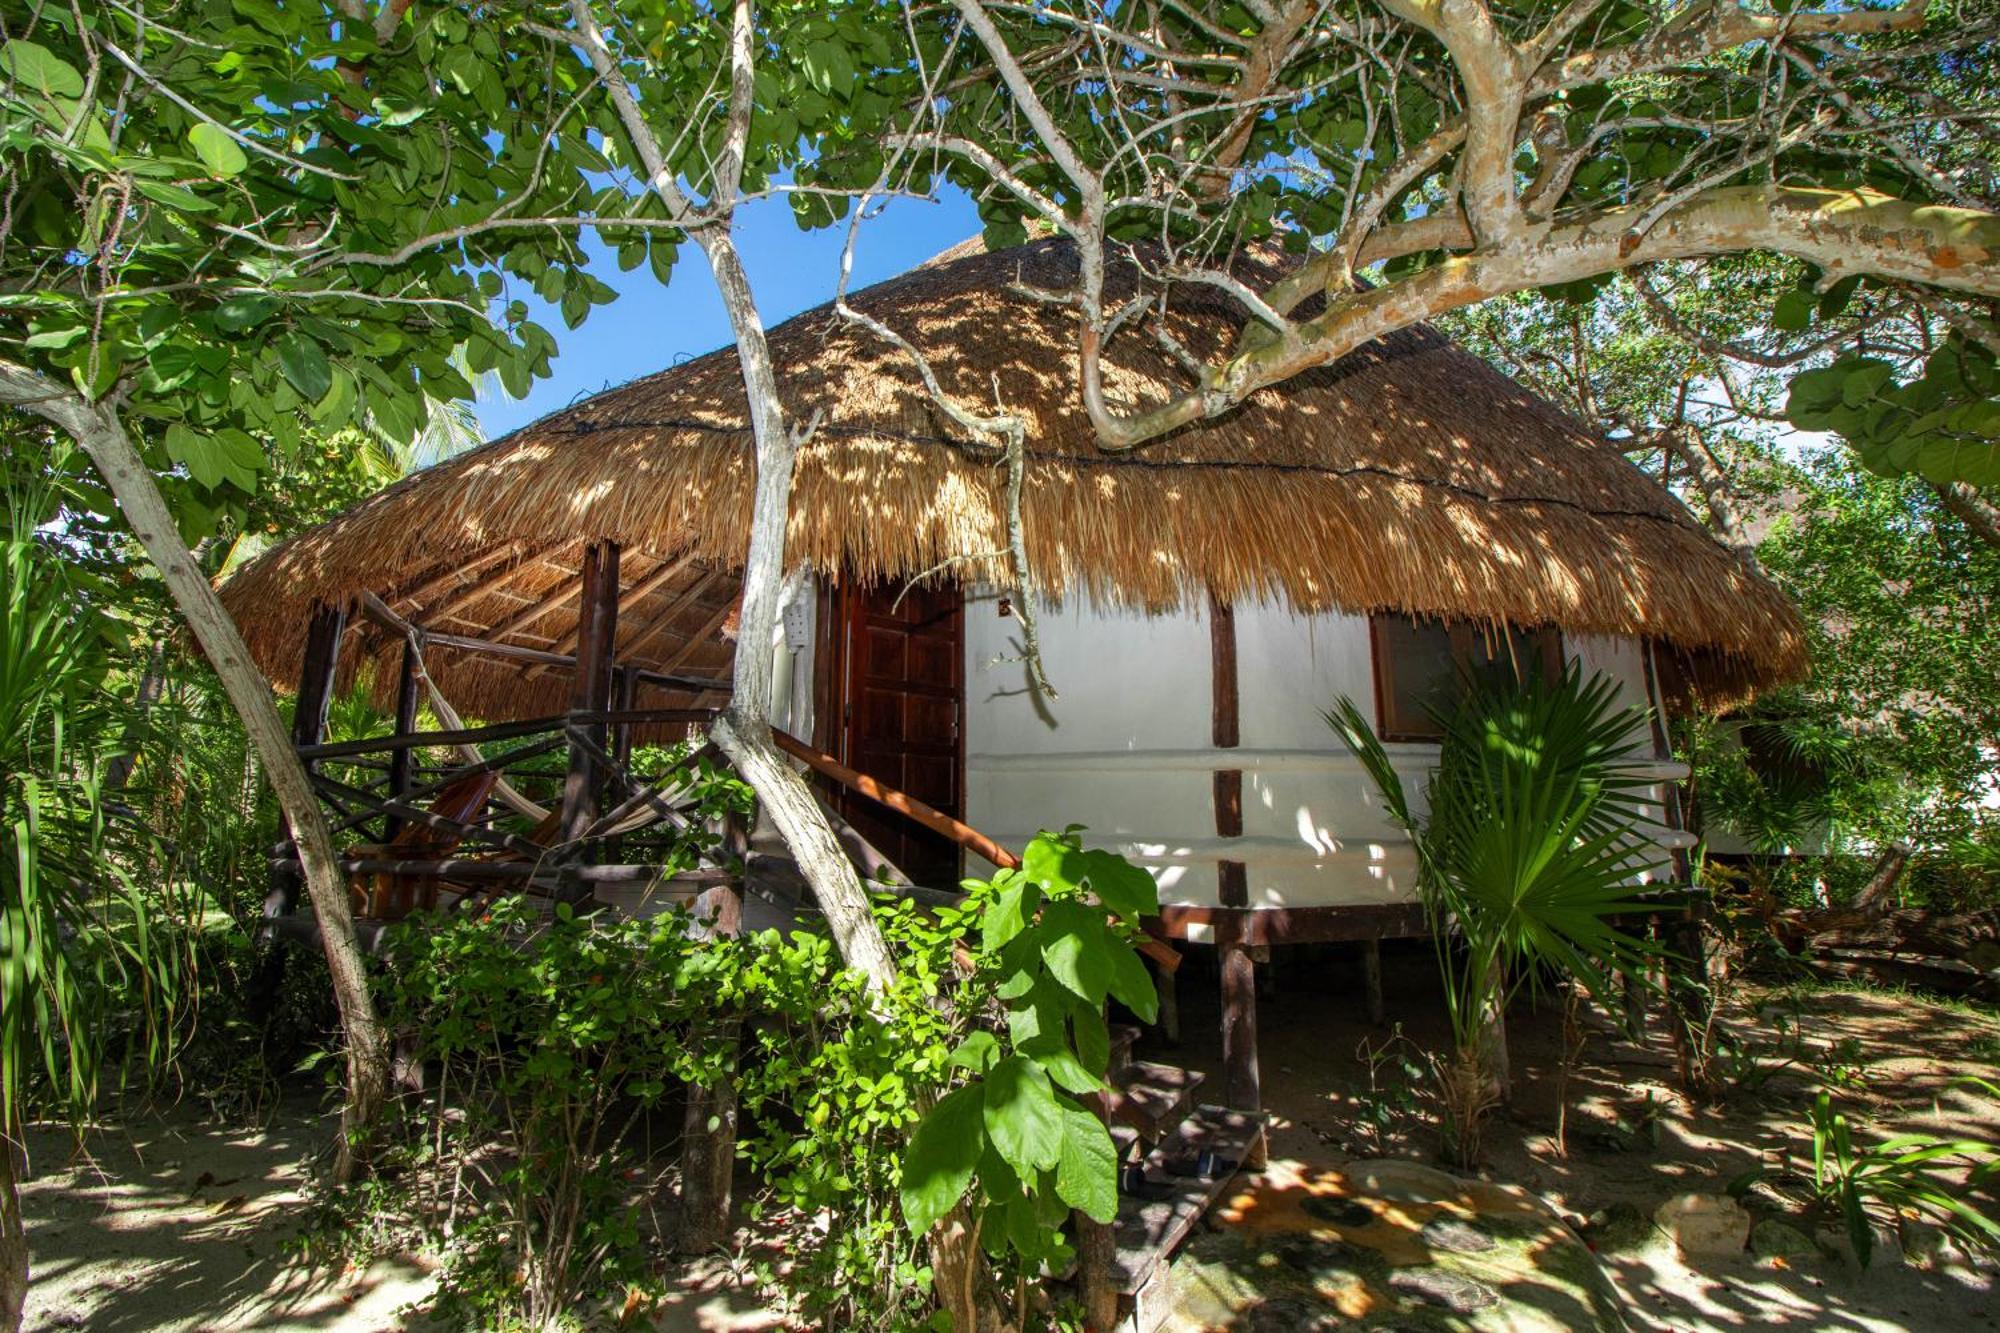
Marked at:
<point>103,438</point>
<point>743,732</point>
<point>1980,515</point>
<point>1878,894</point>
<point>1492,1041</point>
<point>13,1239</point>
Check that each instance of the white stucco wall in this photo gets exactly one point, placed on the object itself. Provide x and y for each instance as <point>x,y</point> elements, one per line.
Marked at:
<point>1126,747</point>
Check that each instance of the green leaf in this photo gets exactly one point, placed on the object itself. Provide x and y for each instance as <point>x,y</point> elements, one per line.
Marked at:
<point>1021,1116</point>
<point>1087,1169</point>
<point>305,365</point>
<point>244,310</point>
<point>217,151</point>
<point>1092,1037</point>
<point>1131,984</point>
<point>1128,890</point>
<point>942,1155</point>
<point>173,196</point>
<point>1077,948</point>
<point>977,1052</point>
<point>1794,311</point>
<point>1008,913</point>
<point>199,453</point>
<point>36,68</point>
<point>1060,1063</point>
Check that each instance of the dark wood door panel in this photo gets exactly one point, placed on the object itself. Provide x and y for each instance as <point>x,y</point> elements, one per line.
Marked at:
<point>901,714</point>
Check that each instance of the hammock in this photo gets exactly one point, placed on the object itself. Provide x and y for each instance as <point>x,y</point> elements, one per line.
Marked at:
<point>503,790</point>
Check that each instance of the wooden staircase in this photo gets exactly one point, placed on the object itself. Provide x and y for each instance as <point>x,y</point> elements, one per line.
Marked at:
<point>1178,1157</point>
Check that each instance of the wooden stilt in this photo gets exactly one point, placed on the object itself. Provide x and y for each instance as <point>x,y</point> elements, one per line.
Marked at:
<point>1371,981</point>
<point>1096,1255</point>
<point>598,625</point>
<point>708,1132</point>
<point>1170,1005</point>
<point>1242,1090</point>
<point>406,722</point>
<point>316,676</point>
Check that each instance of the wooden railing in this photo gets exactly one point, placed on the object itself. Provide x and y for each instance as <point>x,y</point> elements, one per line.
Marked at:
<point>935,820</point>
<point>358,805</point>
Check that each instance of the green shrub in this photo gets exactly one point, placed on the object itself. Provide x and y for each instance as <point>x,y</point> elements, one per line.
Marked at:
<point>555,1047</point>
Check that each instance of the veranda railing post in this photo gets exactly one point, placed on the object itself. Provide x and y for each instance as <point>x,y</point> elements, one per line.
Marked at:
<point>400,760</point>
<point>597,632</point>
<point>316,675</point>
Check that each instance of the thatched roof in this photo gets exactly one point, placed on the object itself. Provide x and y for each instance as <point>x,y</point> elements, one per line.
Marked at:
<point>1409,476</point>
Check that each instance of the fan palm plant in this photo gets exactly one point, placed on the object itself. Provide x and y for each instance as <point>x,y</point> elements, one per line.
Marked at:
<point>1530,849</point>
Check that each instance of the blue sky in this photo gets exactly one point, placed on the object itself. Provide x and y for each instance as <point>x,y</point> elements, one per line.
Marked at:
<point>650,327</point>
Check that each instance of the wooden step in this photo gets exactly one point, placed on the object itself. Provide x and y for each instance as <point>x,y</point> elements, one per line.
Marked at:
<point>1151,1098</point>
<point>1122,1037</point>
<point>1149,1229</point>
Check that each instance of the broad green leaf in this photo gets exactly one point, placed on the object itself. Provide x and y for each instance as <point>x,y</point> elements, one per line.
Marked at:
<point>199,453</point>
<point>1060,1063</point>
<point>1092,1037</point>
<point>36,68</point>
<point>1132,984</point>
<point>244,310</point>
<point>1128,890</point>
<point>1087,1170</point>
<point>173,196</point>
<point>1021,1116</point>
<point>1077,948</point>
<point>938,1166</point>
<point>977,1052</point>
<point>1008,912</point>
<point>218,152</point>
<point>305,365</point>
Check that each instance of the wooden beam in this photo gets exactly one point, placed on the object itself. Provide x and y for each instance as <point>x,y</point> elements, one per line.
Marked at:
<point>497,731</point>
<point>567,589</point>
<point>597,622</point>
<point>935,820</point>
<point>1258,926</point>
<point>472,592</point>
<point>452,575</point>
<point>626,601</point>
<point>663,621</point>
<point>910,807</point>
<point>322,661</point>
<point>697,639</point>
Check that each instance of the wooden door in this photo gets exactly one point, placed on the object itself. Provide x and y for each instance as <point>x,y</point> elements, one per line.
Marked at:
<point>901,716</point>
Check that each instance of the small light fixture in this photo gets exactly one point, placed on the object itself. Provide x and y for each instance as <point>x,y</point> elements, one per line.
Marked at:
<point>1006,606</point>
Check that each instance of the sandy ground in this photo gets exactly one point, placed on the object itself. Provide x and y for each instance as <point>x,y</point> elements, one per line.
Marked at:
<point>172,1224</point>
<point>177,1225</point>
<point>1632,1141</point>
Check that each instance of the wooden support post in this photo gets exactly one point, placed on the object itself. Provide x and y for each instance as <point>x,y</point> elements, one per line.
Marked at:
<point>1240,1083</point>
<point>1170,1004</point>
<point>625,693</point>
<point>400,761</point>
<point>1371,981</point>
<point>597,626</point>
<point>708,1131</point>
<point>316,676</point>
